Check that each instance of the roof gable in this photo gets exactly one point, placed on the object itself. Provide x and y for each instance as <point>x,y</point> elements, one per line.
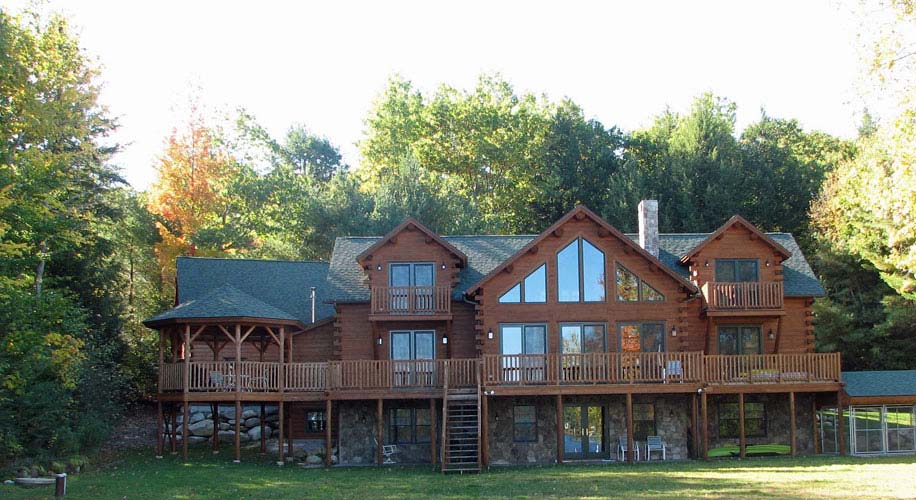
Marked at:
<point>410,224</point>
<point>581,212</point>
<point>736,220</point>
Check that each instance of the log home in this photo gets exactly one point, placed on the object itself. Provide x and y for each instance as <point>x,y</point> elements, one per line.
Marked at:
<point>578,343</point>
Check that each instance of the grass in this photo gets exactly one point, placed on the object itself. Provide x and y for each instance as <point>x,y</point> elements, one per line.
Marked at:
<point>139,475</point>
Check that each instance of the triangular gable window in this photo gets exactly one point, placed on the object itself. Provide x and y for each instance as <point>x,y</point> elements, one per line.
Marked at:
<point>533,289</point>
<point>630,288</point>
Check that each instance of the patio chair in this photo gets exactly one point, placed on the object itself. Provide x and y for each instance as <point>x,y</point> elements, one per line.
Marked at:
<point>655,443</point>
<point>674,370</point>
<point>219,381</point>
<point>388,451</point>
<point>622,448</point>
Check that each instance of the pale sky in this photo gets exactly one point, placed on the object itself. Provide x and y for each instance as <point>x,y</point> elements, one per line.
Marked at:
<point>322,63</point>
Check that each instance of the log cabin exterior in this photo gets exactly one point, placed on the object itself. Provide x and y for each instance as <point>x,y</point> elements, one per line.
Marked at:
<point>468,351</point>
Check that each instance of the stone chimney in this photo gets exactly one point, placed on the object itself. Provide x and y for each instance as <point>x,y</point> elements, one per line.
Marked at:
<point>648,226</point>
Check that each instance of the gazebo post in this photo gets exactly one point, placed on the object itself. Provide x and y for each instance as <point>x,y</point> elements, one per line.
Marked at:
<point>263,437</point>
<point>159,428</point>
<point>214,408</point>
<point>187,388</point>
<point>280,403</point>
<point>238,392</point>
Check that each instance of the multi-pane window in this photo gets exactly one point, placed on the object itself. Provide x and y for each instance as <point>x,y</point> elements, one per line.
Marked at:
<point>755,420</point>
<point>524,424</point>
<point>533,289</point>
<point>643,421</point>
<point>630,288</point>
<point>315,421</point>
<point>524,339</point>
<point>576,338</point>
<point>580,272</point>
<point>740,340</point>
<point>416,344</point>
<point>736,270</point>
<point>642,337</point>
<point>409,425</point>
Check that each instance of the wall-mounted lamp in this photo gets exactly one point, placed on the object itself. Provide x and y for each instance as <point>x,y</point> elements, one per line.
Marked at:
<point>771,335</point>
<point>379,341</point>
<point>378,267</point>
<point>706,264</point>
<point>444,340</point>
<point>490,334</point>
<point>674,331</point>
<point>700,390</point>
<point>443,265</point>
<point>767,263</point>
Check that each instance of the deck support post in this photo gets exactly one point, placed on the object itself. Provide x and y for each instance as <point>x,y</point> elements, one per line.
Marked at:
<point>792,436</point>
<point>160,445</point>
<point>378,434</point>
<point>238,430</point>
<point>704,405</point>
<point>559,428</point>
<point>263,425</point>
<point>214,408</point>
<point>630,441</point>
<point>840,423</point>
<point>173,423</point>
<point>432,430</point>
<point>815,437</point>
<point>328,448</point>
<point>281,458</point>
<point>184,430</point>
<point>742,439</point>
<point>290,446</point>
<point>484,430</point>
<point>694,441</point>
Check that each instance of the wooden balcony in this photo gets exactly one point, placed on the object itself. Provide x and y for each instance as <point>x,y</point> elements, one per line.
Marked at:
<point>406,302</point>
<point>505,374</point>
<point>743,297</point>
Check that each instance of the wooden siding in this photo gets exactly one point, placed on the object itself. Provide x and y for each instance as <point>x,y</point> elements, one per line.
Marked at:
<point>412,246</point>
<point>736,243</point>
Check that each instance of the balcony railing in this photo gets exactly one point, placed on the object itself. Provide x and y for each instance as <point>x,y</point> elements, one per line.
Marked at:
<point>411,300</point>
<point>751,295</point>
<point>503,371</point>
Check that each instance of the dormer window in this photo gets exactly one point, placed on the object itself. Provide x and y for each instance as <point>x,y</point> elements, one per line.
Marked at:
<point>736,270</point>
<point>580,272</point>
<point>533,289</point>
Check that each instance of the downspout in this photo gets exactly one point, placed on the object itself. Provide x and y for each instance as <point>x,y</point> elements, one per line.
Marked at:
<point>312,295</point>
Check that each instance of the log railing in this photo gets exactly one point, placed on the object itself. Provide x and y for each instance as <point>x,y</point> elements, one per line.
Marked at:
<point>742,296</point>
<point>772,368</point>
<point>505,371</point>
<point>411,300</point>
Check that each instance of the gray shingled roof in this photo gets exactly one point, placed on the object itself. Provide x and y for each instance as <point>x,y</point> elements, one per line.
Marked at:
<point>347,282</point>
<point>880,383</point>
<point>283,285</point>
<point>224,301</point>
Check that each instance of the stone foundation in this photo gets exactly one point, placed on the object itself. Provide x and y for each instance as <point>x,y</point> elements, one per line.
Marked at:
<point>777,420</point>
<point>358,429</point>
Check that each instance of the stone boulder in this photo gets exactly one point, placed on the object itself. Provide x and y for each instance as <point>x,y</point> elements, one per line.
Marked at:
<point>252,422</point>
<point>201,428</point>
<point>314,460</point>
<point>249,414</point>
<point>226,437</point>
<point>196,417</point>
<point>196,439</point>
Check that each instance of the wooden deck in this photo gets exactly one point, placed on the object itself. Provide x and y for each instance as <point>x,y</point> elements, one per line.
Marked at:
<point>548,374</point>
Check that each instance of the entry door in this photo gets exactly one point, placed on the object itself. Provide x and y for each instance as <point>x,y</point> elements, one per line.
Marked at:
<point>583,432</point>
<point>413,354</point>
<point>416,276</point>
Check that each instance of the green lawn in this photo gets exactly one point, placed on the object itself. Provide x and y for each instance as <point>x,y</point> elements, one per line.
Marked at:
<point>137,475</point>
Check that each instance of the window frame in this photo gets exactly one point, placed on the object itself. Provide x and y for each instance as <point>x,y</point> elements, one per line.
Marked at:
<point>532,425</point>
<point>738,340</point>
<point>734,262</point>
<point>640,296</point>
<point>413,277</point>
<point>413,344</point>
<point>413,430</point>
<point>580,255</point>
<point>522,295</point>
<point>582,325</point>
<point>621,324</point>
<point>323,421</point>
<point>523,326</point>
<point>764,422</point>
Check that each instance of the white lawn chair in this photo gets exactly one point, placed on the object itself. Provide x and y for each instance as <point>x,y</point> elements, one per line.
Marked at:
<point>219,381</point>
<point>388,451</point>
<point>622,448</point>
<point>655,443</point>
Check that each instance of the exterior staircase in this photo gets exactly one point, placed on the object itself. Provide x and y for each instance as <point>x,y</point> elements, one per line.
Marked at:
<point>461,431</point>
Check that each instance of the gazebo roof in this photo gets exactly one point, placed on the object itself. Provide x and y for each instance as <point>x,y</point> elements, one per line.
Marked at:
<point>222,302</point>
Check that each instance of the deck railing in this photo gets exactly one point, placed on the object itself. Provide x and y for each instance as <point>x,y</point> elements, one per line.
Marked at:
<point>505,371</point>
<point>749,295</point>
<point>411,300</point>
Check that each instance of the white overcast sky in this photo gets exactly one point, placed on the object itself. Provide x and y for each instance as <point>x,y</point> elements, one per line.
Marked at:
<point>322,63</point>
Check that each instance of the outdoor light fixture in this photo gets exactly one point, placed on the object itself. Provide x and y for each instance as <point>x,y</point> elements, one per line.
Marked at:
<point>443,265</point>
<point>380,341</point>
<point>706,264</point>
<point>768,263</point>
<point>444,340</point>
<point>771,335</point>
<point>674,331</point>
<point>378,267</point>
<point>490,334</point>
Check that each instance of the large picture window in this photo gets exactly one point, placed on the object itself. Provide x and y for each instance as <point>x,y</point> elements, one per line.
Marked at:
<point>580,273</point>
<point>630,288</point>
<point>533,289</point>
<point>577,338</point>
<point>736,270</point>
<point>409,425</point>
<point>642,337</point>
<point>755,420</point>
<point>740,340</point>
